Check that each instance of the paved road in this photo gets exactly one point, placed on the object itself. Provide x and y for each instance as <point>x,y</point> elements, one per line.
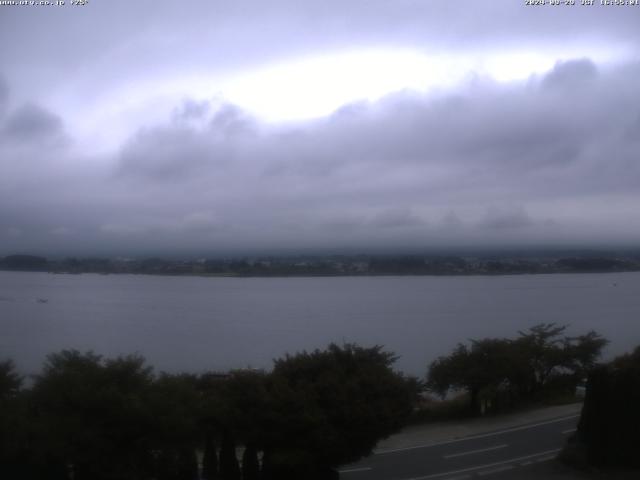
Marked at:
<point>473,457</point>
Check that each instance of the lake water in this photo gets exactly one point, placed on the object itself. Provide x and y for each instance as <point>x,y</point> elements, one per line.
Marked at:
<point>198,323</point>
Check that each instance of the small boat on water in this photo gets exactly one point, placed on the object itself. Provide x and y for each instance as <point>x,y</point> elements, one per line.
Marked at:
<point>42,300</point>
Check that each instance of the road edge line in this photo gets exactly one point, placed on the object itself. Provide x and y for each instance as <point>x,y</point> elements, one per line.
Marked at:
<point>481,435</point>
<point>489,465</point>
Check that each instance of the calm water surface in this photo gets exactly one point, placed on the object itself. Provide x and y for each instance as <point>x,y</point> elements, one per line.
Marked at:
<point>197,323</point>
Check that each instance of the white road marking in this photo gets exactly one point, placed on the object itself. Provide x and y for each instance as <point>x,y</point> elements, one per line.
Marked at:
<point>495,470</point>
<point>544,459</point>
<point>473,437</point>
<point>480,450</point>
<point>488,465</point>
<point>353,470</point>
<point>571,430</point>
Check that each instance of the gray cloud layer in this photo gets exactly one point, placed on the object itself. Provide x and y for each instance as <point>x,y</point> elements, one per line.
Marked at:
<point>550,160</point>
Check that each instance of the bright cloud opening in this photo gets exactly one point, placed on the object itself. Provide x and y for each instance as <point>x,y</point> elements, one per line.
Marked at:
<point>317,86</point>
<point>311,87</point>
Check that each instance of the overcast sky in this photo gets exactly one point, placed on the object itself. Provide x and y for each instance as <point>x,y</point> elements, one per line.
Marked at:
<point>213,126</point>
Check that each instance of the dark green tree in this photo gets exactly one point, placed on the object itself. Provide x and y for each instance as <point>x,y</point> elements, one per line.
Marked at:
<point>237,404</point>
<point>551,356</point>
<point>209,459</point>
<point>609,429</point>
<point>331,407</point>
<point>481,370</point>
<point>174,402</point>
<point>167,465</point>
<point>583,352</point>
<point>545,353</point>
<point>229,467</point>
<point>13,426</point>
<point>92,416</point>
<point>495,370</point>
<point>10,381</point>
<point>250,464</point>
<point>245,405</point>
<point>187,463</point>
<point>213,418</point>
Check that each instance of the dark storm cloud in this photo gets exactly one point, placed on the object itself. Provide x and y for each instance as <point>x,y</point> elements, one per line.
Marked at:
<point>396,218</point>
<point>27,124</point>
<point>32,122</point>
<point>179,150</point>
<point>504,219</point>
<point>168,153</point>
<point>571,74</point>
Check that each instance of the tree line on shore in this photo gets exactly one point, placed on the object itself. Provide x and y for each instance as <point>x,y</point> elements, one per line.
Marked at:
<point>88,417</point>
<point>334,265</point>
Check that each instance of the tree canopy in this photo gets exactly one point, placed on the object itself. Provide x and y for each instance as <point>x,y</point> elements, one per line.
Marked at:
<point>332,407</point>
<point>93,414</point>
<point>10,381</point>
<point>537,360</point>
<point>101,419</point>
<point>608,431</point>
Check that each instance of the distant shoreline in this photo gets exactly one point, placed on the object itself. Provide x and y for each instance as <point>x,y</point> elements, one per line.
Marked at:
<point>327,275</point>
<point>332,266</point>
